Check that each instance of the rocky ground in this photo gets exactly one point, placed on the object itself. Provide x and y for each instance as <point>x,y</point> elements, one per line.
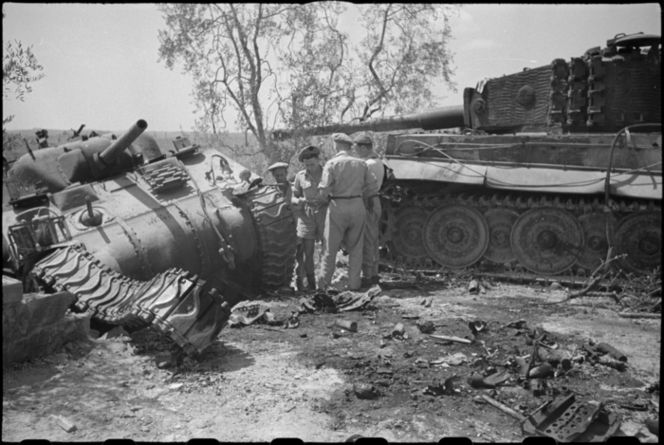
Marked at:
<point>320,382</point>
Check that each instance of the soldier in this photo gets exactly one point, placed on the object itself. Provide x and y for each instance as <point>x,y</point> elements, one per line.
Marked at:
<point>346,181</point>
<point>279,172</point>
<point>370,255</point>
<point>311,218</point>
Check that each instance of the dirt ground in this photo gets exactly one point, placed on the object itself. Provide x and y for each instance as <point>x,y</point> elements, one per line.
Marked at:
<point>260,382</point>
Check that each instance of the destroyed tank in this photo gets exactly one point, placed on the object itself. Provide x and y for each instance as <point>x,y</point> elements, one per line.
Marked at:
<point>545,170</point>
<point>142,237</point>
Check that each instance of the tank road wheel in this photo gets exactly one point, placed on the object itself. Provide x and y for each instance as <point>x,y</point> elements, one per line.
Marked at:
<point>456,236</point>
<point>408,233</point>
<point>500,223</point>
<point>547,240</point>
<point>596,245</point>
<point>640,237</point>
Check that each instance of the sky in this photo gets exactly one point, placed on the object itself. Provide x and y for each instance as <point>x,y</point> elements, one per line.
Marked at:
<point>102,67</point>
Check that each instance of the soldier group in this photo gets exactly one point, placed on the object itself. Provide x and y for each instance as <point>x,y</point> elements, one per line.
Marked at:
<point>337,205</point>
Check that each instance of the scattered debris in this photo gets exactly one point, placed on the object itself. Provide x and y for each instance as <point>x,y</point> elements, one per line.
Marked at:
<point>438,388</point>
<point>542,371</point>
<point>426,327</point>
<point>64,423</point>
<point>451,338</point>
<point>566,420</point>
<point>398,331</point>
<point>555,358</point>
<point>293,321</point>
<point>346,324</point>
<point>246,313</point>
<point>477,326</point>
<point>365,391</point>
<point>609,361</point>
<point>327,302</point>
<point>456,359</point>
<point>165,360</point>
<point>491,381</point>
<point>613,352</point>
<point>410,316</point>
<point>473,287</point>
<point>503,408</point>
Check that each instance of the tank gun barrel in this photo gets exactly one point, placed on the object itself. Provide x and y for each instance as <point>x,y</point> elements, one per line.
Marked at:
<point>438,118</point>
<point>124,141</point>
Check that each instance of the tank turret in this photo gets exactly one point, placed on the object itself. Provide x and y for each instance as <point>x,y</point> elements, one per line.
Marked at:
<point>52,169</point>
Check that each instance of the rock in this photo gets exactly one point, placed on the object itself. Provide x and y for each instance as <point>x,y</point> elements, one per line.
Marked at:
<point>365,391</point>
<point>64,423</point>
<point>426,327</point>
<point>473,287</point>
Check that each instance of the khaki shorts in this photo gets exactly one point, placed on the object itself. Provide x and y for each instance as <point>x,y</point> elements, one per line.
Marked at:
<point>311,225</point>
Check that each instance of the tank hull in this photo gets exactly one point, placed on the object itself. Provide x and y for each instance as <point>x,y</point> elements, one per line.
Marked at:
<point>170,244</point>
<point>523,203</point>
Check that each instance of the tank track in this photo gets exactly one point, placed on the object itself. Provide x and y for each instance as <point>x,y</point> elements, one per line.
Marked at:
<point>408,219</point>
<point>174,302</point>
<point>275,225</point>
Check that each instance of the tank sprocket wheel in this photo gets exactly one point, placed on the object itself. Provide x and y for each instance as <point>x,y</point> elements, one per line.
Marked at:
<point>640,237</point>
<point>547,240</point>
<point>596,243</point>
<point>408,235</point>
<point>500,223</point>
<point>456,236</point>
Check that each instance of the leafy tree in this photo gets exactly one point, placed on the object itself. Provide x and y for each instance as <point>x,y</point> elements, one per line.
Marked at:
<point>292,64</point>
<point>19,69</point>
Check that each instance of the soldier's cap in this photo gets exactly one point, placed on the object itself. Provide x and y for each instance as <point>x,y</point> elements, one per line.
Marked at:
<point>342,137</point>
<point>277,165</point>
<point>310,151</point>
<point>363,139</point>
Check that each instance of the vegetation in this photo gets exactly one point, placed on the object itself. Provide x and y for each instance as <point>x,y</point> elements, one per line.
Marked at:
<point>294,65</point>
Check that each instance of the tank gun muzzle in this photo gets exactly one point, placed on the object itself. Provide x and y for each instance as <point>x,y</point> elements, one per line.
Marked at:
<point>107,157</point>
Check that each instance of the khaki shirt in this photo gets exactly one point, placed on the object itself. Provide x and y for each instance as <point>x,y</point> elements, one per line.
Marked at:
<point>345,175</point>
<point>376,167</point>
<point>306,186</point>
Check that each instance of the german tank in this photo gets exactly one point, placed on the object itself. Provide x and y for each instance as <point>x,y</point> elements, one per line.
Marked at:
<point>549,167</point>
<point>142,237</point>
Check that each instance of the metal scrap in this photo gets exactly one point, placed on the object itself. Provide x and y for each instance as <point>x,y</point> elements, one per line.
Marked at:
<point>566,420</point>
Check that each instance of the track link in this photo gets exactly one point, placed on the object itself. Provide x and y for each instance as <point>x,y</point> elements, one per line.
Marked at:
<point>175,303</point>
<point>275,225</point>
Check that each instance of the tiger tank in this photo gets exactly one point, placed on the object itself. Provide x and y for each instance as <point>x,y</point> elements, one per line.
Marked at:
<point>144,237</point>
<point>543,172</point>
